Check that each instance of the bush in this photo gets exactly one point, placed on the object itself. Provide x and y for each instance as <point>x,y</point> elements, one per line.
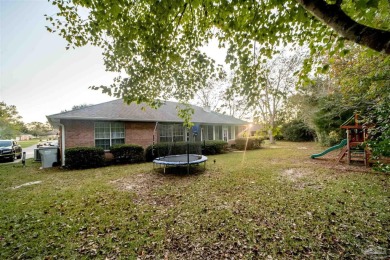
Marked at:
<point>297,131</point>
<point>334,137</point>
<point>249,143</point>
<point>329,139</point>
<point>164,149</point>
<point>214,147</point>
<point>127,153</point>
<point>156,150</point>
<point>84,157</point>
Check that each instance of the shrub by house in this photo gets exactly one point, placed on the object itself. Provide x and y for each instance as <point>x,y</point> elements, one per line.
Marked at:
<point>84,157</point>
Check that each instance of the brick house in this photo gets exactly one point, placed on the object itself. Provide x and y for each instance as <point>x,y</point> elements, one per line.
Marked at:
<point>115,122</point>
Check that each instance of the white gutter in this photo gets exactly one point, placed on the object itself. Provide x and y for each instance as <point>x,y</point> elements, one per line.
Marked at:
<point>62,145</point>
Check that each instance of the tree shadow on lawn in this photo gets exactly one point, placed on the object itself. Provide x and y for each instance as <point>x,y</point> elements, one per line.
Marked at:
<point>155,187</point>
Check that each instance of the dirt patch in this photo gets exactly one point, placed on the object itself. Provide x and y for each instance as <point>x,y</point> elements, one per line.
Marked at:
<point>140,183</point>
<point>343,167</point>
<point>296,174</point>
<point>303,178</point>
<point>155,187</point>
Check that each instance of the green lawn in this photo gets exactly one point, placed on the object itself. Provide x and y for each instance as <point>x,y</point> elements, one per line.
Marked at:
<point>25,144</point>
<point>274,202</point>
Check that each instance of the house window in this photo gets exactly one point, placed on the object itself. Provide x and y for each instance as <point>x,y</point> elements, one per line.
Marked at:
<point>231,132</point>
<point>108,134</point>
<point>218,132</point>
<point>171,133</point>
<point>215,132</point>
<point>210,132</point>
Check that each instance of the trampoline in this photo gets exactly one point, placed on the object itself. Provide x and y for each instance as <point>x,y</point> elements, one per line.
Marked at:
<point>180,160</point>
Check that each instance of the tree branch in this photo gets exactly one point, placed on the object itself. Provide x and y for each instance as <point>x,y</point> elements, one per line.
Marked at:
<point>181,16</point>
<point>336,18</point>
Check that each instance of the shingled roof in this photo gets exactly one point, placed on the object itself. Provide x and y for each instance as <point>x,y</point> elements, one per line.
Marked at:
<point>117,110</point>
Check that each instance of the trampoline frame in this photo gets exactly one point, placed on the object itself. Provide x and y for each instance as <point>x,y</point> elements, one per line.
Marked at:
<point>177,161</point>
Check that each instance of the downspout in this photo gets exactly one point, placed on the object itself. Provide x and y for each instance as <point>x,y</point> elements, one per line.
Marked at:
<point>154,133</point>
<point>62,145</point>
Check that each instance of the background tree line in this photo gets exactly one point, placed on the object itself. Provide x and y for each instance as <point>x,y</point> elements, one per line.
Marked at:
<point>11,124</point>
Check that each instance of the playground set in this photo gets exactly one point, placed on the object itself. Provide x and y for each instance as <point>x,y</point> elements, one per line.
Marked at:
<point>352,148</point>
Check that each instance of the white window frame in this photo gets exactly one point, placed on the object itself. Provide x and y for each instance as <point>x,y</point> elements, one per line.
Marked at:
<point>225,129</point>
<point>231,132</point>
<point>215,128</point>
<point>110,132</point>
<point>170,128</point>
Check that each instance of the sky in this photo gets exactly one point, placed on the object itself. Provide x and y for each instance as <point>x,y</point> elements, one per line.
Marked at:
<point>37,74</point>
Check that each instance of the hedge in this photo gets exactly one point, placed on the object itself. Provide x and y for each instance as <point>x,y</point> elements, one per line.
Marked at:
<point>84,157</point>
<point>127,153</point>
<point>214,147</point>
<point>164,149</point>
<point>297,131</point>
<point>249,143</point>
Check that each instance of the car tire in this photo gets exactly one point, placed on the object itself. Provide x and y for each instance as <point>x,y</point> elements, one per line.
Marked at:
<point>19,156</point>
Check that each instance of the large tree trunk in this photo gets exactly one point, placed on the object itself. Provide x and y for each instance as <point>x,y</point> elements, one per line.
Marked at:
<point>335,17</point>
<point>271,136</point>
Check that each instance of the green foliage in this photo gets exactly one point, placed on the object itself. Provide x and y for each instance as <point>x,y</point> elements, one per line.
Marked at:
<point>84,157</point>
<point>158,43</point>
<point>76,107</point>
<point>364,80</point>
<point>374,13</point>
<point>38,128</point>
<point>335,137</point>
<point>332,112</point>
<point>362,75</point>
<point>163,149</point>
<point>297,131</point>
<point>380,132</point>
<point>214,147</point>
<point>157,150</point>
<point>127,153</point>
<point>250,143</point>
<point>10,121</point>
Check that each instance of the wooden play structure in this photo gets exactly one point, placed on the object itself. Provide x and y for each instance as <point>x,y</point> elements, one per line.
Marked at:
<point>357,134</point>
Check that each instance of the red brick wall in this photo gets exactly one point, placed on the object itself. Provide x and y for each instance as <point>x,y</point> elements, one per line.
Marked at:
<point>139,133</point>
<point>79,133</point>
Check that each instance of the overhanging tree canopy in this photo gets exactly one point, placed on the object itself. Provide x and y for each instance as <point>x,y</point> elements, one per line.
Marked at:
<point>156,43</point>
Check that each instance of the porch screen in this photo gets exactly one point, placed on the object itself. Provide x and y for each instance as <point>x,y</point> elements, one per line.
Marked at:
<point>231,132</point>
<point>171,133</point>
<point>218,132</point>
<point>210,132</point>
<point>108,134</point>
